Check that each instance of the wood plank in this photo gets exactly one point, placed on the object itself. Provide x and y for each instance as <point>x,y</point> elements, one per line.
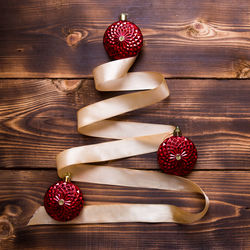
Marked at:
<point>38,120</point>
<point>227,224</point>
<point>45,38</point>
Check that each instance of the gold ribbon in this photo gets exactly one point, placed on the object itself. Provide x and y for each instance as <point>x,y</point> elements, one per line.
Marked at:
<point>132,139</point>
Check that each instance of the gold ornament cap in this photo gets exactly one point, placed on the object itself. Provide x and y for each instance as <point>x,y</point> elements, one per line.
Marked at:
<point>177,131</point>
<point>67,177</point>
<point>123,16</point>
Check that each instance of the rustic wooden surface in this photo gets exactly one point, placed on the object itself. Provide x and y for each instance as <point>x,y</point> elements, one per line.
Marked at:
<point>51,40</point>
<point>227,224</point>
<point>38,116</point>
<point>63,38</point>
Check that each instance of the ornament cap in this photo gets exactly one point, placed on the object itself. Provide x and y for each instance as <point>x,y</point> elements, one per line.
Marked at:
<point>177,131</point>
<point>67,177</point>
<point>123,16</point>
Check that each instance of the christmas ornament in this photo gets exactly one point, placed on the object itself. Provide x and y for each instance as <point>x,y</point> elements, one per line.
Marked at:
<point>63,201</point>
<point>177,154</point>
<point>122,39</point>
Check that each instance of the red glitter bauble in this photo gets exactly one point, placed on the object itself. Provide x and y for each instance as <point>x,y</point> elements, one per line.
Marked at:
<point>177,155</point>
<point>122,39</point>
<point>63,201</point>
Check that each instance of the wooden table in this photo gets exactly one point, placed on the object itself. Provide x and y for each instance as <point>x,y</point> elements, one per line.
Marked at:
<point>48,49</point>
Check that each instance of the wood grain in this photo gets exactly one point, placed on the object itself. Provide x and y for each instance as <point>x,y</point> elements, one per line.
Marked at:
<point>228,218</point>
<point>52,38</point>
<point>38,120</point>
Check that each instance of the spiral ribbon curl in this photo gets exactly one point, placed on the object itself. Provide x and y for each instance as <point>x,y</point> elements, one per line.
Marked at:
<point>132,139</point>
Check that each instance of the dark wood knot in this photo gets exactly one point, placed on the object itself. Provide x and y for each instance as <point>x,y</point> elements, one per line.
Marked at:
<point>6,228</point>
<point>201,30</point>
<point>74,38</point>
<point>242,69</point>
<point>12,210</point>
<point>68,86</point>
